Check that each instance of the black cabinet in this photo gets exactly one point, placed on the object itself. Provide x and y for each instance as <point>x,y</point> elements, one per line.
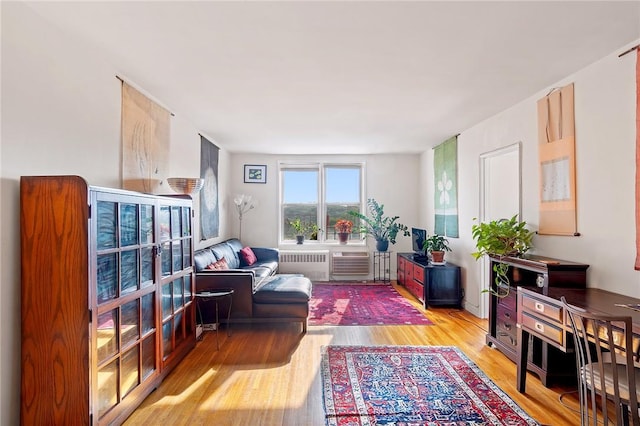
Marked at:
<point>442,285</point>
<point>431,284</point>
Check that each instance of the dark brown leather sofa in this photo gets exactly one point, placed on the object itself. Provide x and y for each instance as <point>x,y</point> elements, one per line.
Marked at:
<point>260,294</point>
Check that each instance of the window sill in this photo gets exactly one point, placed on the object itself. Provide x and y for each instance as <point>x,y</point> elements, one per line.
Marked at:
<point>310,245</point>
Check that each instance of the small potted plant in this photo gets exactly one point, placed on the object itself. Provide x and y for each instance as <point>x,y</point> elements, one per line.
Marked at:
<point>436,245</point>
<point>501,238</point>
<point>301,228</point>
<point>343,227</point>
<point>383,228</point>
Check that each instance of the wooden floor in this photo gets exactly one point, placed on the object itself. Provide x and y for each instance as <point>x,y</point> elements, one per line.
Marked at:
<point>268,374</point>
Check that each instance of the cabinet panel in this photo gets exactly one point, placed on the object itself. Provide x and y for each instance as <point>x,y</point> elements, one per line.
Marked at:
<point>402,279</point>
<point>443,285</point>
<point>402,264</point>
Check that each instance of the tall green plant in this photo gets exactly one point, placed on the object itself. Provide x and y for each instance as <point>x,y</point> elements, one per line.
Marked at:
<point>501,238</point>
<point>377,225</point>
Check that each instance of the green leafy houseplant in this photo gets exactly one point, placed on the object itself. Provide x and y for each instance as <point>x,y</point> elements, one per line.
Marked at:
<point>501,238</point>
<point>302,228</point>
<point>436,245</point>
<point>382,228</point>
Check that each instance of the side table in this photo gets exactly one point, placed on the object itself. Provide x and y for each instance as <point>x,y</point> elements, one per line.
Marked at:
<point>216,296</point>
<point>382,266</point>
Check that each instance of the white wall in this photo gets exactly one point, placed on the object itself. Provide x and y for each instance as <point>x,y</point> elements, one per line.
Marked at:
<point>393,180</point>
<point>60,115</point>
<point>605,158</point>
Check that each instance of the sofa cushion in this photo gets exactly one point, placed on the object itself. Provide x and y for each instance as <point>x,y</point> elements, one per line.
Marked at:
<point>283,288</point>
<point>203,258</point>
<point>248,257</point>
<point>235,244</point>
<point>260,271</point>
<point>225,250</point>
<point>272,266</point>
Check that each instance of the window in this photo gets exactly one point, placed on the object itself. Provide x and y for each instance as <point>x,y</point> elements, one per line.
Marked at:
<point>318,194</point>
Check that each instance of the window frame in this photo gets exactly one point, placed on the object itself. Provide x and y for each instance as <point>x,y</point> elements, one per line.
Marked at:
<point>320,167</point>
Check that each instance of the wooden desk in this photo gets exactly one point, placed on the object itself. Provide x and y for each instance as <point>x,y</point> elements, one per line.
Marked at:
<point>542,315</point>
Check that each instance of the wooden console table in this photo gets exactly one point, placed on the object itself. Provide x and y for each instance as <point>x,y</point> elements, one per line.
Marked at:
<point>539,274</point>
<point>541,315</point>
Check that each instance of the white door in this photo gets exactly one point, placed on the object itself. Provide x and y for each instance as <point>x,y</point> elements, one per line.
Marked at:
<point>500,182</point>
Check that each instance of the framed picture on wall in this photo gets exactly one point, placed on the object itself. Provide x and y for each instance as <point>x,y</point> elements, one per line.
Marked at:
<point>255,173</point>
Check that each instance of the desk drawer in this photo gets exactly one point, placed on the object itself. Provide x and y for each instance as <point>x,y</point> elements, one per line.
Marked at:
<point>506,326</point>
<point>408,275</point>
<point>416,289</point>
<point>542,309</point>
<point>542,328</point>
<point>509,301</point>
<point>418,273</point>
<point>402,262</point>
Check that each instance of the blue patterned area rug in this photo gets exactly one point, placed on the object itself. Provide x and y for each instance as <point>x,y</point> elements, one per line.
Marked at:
<point>411,385</point>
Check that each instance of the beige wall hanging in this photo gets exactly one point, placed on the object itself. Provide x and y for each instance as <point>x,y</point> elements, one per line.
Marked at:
<point>145,142</point>
<point>556,138</point>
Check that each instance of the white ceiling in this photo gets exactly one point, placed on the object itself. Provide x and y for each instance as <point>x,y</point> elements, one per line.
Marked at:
<point>344,76</point>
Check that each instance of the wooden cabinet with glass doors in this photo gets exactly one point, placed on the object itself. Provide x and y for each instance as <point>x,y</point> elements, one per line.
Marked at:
<point>107,298</point>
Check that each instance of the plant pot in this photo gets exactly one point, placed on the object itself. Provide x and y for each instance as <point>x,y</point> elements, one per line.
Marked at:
<point>299,239</point>
<point>437,256</point>
<point>343,237</point>
<point>382,245</point>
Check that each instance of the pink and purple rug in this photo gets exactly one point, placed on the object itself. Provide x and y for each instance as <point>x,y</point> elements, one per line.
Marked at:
<point>411,385</point>
<point>362,304</point>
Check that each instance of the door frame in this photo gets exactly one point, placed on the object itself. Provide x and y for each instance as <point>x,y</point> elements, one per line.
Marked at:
<point>487,192</point>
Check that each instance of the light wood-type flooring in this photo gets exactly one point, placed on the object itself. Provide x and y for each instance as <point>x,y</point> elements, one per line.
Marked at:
<point>268,374</point>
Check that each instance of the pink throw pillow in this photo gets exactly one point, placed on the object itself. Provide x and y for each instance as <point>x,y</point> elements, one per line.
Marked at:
<point>218,265</point>
<point>222,264</point>
<point>248,256</point>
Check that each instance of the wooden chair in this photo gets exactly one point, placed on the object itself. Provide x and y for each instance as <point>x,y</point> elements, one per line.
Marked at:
<point>607,370</point>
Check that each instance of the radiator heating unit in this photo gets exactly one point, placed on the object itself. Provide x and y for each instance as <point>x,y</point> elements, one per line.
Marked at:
<point>312,264</point>
<point>350,263</point>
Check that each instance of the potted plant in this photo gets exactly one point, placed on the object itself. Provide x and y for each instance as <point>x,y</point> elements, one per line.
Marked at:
<point>383,229</point>
<point>343,227</point>
<point>436,245</point>
<point>302,228</point>
<point>501,238</point>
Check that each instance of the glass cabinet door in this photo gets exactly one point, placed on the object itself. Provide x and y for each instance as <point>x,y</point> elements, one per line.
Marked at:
<point>177,281</point>
<point>124,296</point>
